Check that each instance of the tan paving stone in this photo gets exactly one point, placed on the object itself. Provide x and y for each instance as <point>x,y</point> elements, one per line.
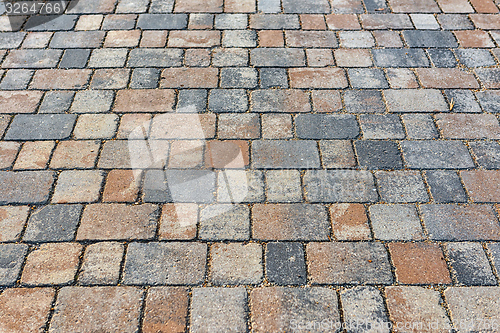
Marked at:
<point>101,264</point>
<point>178,221</point>
<point>12,221</point>
<point>8,154</point>
<point>75,155</point>
<point>78,186</point>
<point>121,186</point>
<point>47,79</point>
<point>19,101</point>
<point>350,222</point>
<point>144,100</point>
<point>34,155</point>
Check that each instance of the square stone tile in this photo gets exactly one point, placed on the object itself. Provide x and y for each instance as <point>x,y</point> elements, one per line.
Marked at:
<point>166,310</point>
<point>74,186</point>
<point>11,261</point>
<point>285,263</point>
<point>53,223</point>
<point>101,264</point>
<point>12,221</point>
<point>401,186</point>
<point>363,309</point>
<point>395,222</point>
<point>224,222</point>
<point>236,264</point>
<point>283,186</point>
<point>178,221</point>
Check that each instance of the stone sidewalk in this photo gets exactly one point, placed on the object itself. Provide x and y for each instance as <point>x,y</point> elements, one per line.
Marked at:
<point>251,166</point>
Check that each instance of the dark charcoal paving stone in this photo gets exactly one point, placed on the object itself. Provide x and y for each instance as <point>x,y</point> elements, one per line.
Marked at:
<point>487,154</point>
<point>285,263</point>
<point>319,126</point>
<point>45,22</point>
<point>277,154</point>
<point>192,100</point>
<point>11,260</point>
<point>277,57</point>
<point>463,100</point>
<point>53,223</point>
<point>162,21</point>
<point>445,186</point>
<point>159,58</point>
<point>75,58</point>
<point>376,6</point>
<point>273,78</point>
<point>41,127</point>
<point>376,155</point>
<point>228,100</point>
<point>400,58</point>
<point>442,57</point>
<point>418,38</point>
<point>470,264</point>
<point>145,78</point>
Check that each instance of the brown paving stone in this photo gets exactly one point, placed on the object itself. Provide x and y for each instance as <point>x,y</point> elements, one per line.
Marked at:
<point>301,38</point>
<point>317,78</point>
<point>34,155</point>
<point>101,263</point>
<point>349,222</point>
<point>131,122</point>
<point>154,38</point>
<point>446,78</point>
<point>468,126</point>
<point>166,310</point>
<point>183,126</point>
<point>144,100</point>
<point>312,22</point>
<point>25,186</point>
<point>474,38</point>
<point>239,6</point>
<point>25,310</point>
<point>482,185</point>
<point>47,79</point>
<point>12,220</point>
<point>198,6</point>
<point>410,6</point>
<point>186,38</point>
<point>276,126</point>
<point>52,263</point>
<point>197,57</point>
<point>271,38</point>
<point>19,101</point>
<point>122,38</point>
<point>121,186</point>
<point>75,155</point>
<point>342,22</point>
<point>227,154</point>
<point>484,6</point>
<point>419,263</point>
<point>388,38</point>
<point>78,186</point>
<point>455,6</point>
<point>178,221</point>
<point>4,122</point>
<point>238,126</point>
<point>353,58</point>
<point>486,21</point>
<point>326,100</point>
<point>8,153</point>
<point>97,309</point>
<point>189,78</point>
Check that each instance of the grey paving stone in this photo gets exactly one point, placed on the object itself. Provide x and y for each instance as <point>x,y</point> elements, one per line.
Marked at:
<point>11,260</point>
<point>231,21</point>
<point>455,22</point>
<point>274,21</point>
<point>400,58</point>
<point>170,263</point>
<point>277,57</point>
<point>363,307</point>
<point>236,264</point>
<point>56,101</point>
<point>161,6</point>
<point>285,263</point>
<point>356,39</point>
<point>340,186</point>
<point>239,38</point>
<point>77,39</point>
<point>367,78</point>
<point>489,100</point>
<point>337,154</point>
<point>418,38</point>
<point>43,23</point>
<point>494,248</point>
<point>489,77</point>
<point>387,126</point>
<point>395,222</point>
<point>41,127</point>
<point>162,21</point>
<point>240,186</point>
<point>18,186</point>
<point>229,57</point>
<point>363,101</point>
<point>238,78</point>
<point>420,126</point>
<point>470,264</point>
<point>436,155</point>
<point>132,6</point>
<point>321,126</point>
<point>475,57</point>
<point>92,101</point>
<point>158,58</point>
<point>273,78</point>
<point>283,186</point>
<point>32,58</point>
<point>228,100</point>
<point>463,100</point>
<point>278,154</point>
<point>401,186</point>
<point>110,79</point>
<point>376,6</point>
<point>218,310</point>
<point>75,58</point>
<point>487,154</point>
<point>109,57</point>
<point>192,100</point>
<point>93,7</point>
<point>424,21</point>
<point>306,6</point>
<point>280,100</point>
<point>269,6</point>
<point>53,223</point>
<point>410,100</point>
<point>442,57</point>
<point>118,22</point>
<point>375,154</point>
<point>225,222</point>
<point>145,78</point>
<point>16,79</point>
<point>201,19</point>
<point>11,40</point>
<point>445,186</point>
<point>155,188</point>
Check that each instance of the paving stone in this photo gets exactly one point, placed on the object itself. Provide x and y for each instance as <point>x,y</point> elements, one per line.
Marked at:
<point>161,6</point>
<point>445,186</point>
<point>229,57</point>
<point>489,77</point>
<point>74,186</point>
<point>419,263</point>
<point>326,100</point>
<point>340,186</point>
<point>284,154</point>
<point>419,306</point>
<point>224,222</point>
<point>470,265</point>
<point>197,57</point>
<point>218,309</point>
<point>487,154</point>
<point>337,154</point>
<point>319,57</point>
<point>189,78</point>
<point>26,187</point>
<point>280,100</point>
<point>180,263</point>
<point>178,221</point>
<point>132,6</point>
<point>193,39</point>
<point>288,222</point>
<point>307,6</point>
<point>285,264</point>
<point>353,57</point>
<point>269,6</point>
<point>283,186</point>
<point>363,308</point>
<point>19,101</point>
<point>231,21</point>
<point>342,22</point>
<point>424,21</point>
<point>494,249</point>
<point>12,221</point>
<point>37,40</point>
<point>300,38</point>
<point>51,263</point>
<point>162,21</point>
<point>11,40</point>
<point>460,223</point>
<point>436,155</point>
<point>92,101</point>
<point>166,309</point>
<point>118,22</point>
<point>454,21</point>
<point>333,78</point>
<point>192,100</point>
<point>25,309</point>
<point>94,6</point>
<point>239,38</point>
<point>326,126</point>
<point>40,23</point>
<point>312,22</point>
<point>154,38</point>
<point>16,79</point>
<point>475,39</point>
<point>228,100</point>
<point>385,21</point>
<point>366,78</point>
<point>277,57</point>
<point>419,38</point>
<point>144,100</point>
<point>463,100</point>
<point>34,155</point>
<point>489,100</point>
<point>240,186</point>
<point>395,222</point>
<point>381,126</point>
<point>349,222</point>
<point>363,101</point>
<point>98,308</point>
<point>11,260</point>
<point>61,79</point>
<point>400,58</point>
<point>77,39</point>
<point>236,264</point>
<point>378,154</point>
<point>274,21</point>
<point>9,152</point>
<point>373,6</point>
<point>348,263</point>
<point>89,22</point>
<point>145,78</point>
<point>293,308</point>
<point>108,58</point>
<point>468,126</point>
<point>238,78</point>
<point>351,6</point>
<point>276,126</point>
<point>480,185</point>
<point>356,39</point>
<point>121,186</point>
<point>448,78</point>
<point>110,78</point>
<point>145,57</point>
<point>271,38</point>
<point>4,123</point>
<point>53,223</point>
<point>32,58</point>
<point>101,264</point>
<point>442,58</point>
<point>75,58</point>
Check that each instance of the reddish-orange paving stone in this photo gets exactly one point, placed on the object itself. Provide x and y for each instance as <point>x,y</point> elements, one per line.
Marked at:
<point>75,155</point>
<point>482,185</point>
<point>186,38</point>
<point>349,222</point>
<point>8,153</point>
<point>312,22</point>
<point>118,221</point>
<point>133,123</point>
<point>25,310</point>
<point>48,79</point>
<point>34,155</point>
<point>486,21</point>
<point>166,310</point>
<point>197,57</point>
<point>198,6</point>
<point>411,6</point>
<point>300,38</point>
<point>154,38</point>
<point>178,221</point>
<point>353,57</point>
<point>52,263</point>
<point>97,309</point>
<point>189,78</point>
<point>342,22</point>
<point>227,154</point>
<point>419,263</point>
<point>121,186</point>
<point>446,78</point>
<point>122,38</point>
<point>455,6</point>
<point>19,101</point>
<point>12,220</point>
<point>144,100</point>
<point>239,6</point>
<point>468,126</point>
<point>271,38</point>
<point>326,100</point>
<point>484,6</point>
<point>317,78</point>
<point>474,38</point>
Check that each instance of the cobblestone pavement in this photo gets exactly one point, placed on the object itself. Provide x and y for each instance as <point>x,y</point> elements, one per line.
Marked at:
<point>251,166</point>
